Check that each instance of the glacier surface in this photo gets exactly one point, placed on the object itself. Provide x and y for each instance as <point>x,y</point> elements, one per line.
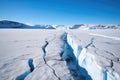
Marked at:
<point>60,54</point>
<point>101,64</point>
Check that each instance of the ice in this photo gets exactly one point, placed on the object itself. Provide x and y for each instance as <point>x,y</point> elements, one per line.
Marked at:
<point>64,53</point>
<point>19,46</point>
<point>98,50</point>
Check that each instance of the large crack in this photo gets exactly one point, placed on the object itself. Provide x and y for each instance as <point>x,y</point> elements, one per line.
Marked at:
<point>78,72</point>
<point>91,43</point>
<point>44,58</point>
<point>44,51</point>
<point>111,63</point>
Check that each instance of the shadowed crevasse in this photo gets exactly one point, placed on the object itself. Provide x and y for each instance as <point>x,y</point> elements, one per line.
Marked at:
<point>30,63</point>
<point>25,74</point>
<point>78,72</point>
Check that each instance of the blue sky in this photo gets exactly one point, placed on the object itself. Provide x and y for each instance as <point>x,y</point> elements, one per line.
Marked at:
<point>61,11</point>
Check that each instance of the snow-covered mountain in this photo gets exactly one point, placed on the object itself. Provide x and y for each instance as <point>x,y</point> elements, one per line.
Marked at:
<point>76,26</point>
<point>105,26</point>
<point>13,24</point>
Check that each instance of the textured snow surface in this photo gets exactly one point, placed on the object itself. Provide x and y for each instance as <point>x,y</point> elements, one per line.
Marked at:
<point>78,54</point>
<point>100,54</point>
<point>17,47</point>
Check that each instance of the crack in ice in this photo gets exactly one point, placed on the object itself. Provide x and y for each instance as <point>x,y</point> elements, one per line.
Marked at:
<point>25,74</point>
<point>78,72</point>
<point>44,58</point>
<point>91,43</point>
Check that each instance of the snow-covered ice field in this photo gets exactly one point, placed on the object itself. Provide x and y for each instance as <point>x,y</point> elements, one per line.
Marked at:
<point>40,54</point>
<point>18,46</point>
<point>100,54</point>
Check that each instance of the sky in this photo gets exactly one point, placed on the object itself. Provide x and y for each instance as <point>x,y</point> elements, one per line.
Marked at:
<point>62,12</point>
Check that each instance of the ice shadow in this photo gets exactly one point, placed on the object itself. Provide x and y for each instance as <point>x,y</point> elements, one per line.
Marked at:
<point>77,72</point>
<point>25,74</point>
<point>22,76</point>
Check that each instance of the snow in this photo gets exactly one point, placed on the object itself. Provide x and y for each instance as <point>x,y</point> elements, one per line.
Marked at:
<point>97,56</point>
<point>64,53</point>
<point>18,46</point>
<point>114,38</point>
